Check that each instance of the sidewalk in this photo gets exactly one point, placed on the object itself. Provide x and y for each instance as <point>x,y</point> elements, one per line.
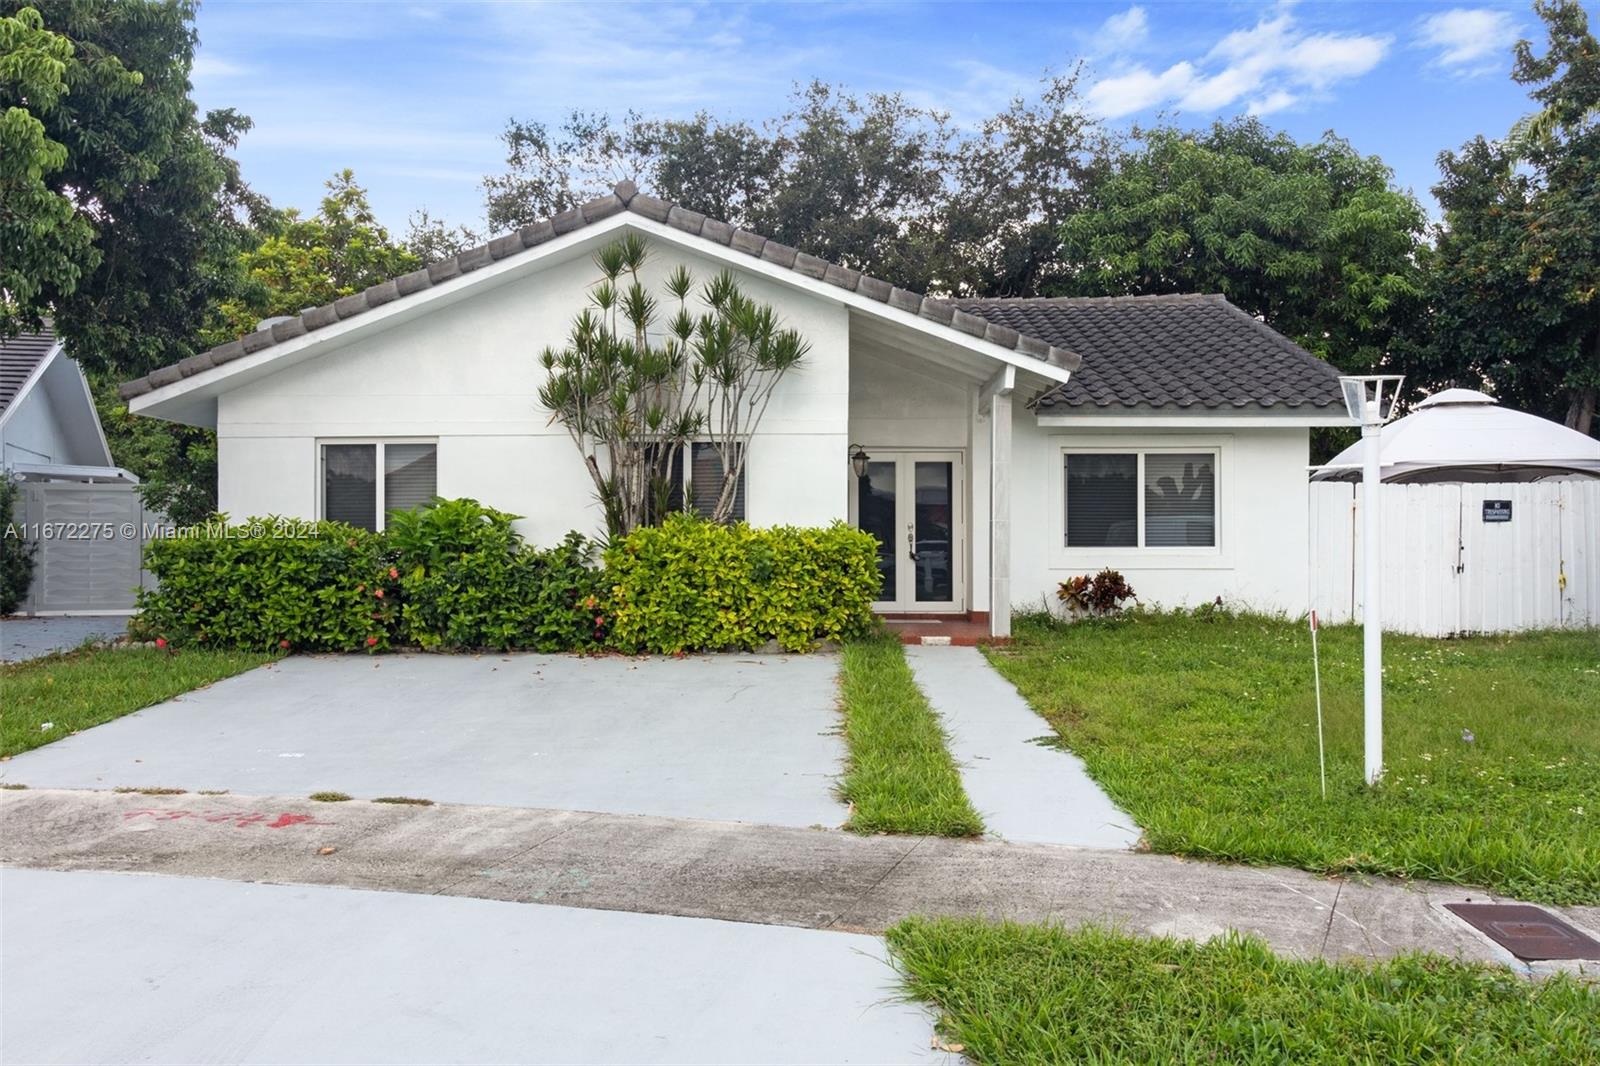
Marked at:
<point>813,878</point>
<point>1025,790</point>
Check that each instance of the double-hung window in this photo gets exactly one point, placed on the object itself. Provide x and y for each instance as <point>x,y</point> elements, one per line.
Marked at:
<point>363,482</point>
<point>1140,499</point>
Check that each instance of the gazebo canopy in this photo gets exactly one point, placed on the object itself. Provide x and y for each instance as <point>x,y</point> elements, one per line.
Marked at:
<point>1463,435</point>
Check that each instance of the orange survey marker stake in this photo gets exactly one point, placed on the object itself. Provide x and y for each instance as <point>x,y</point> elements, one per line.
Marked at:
<point>1316,673</point>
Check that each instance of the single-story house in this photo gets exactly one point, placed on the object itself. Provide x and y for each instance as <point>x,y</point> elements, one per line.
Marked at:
<point>75,505</point>
<point>1010,443</point>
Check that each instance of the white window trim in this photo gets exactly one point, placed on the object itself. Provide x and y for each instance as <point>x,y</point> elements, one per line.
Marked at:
<point>382,489</point>
<point>1176,557</point>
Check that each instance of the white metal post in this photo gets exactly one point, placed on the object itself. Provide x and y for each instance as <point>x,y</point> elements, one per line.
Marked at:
<point>1372,608</point>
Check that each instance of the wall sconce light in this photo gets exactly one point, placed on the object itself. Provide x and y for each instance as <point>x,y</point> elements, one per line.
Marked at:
<point>858,461</point>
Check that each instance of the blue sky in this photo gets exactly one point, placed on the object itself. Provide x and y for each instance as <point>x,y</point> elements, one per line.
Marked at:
<point>413,96</point>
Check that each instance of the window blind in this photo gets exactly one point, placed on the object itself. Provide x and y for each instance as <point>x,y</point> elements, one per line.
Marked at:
<point>1102,501</point>
<point>1179,500</point>
<point>410,475</point>
<point>350,484</point>
<point>705,481</point>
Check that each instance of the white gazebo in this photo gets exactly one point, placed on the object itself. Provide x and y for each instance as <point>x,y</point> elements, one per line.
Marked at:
<point>1460,435</point>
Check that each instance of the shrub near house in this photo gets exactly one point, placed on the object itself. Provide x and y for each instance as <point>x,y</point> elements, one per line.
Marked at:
<point>456,575</point>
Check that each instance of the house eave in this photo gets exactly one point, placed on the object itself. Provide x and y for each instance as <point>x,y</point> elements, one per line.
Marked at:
<point>1226,418</point>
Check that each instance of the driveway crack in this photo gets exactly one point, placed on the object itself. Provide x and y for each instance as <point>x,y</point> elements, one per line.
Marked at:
<point>514,856</point>
<point>1327,930</point>
<point>870,889</point>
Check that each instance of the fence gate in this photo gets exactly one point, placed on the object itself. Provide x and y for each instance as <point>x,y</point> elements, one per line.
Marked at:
<point>1463,558</point>
<point>88,543</point>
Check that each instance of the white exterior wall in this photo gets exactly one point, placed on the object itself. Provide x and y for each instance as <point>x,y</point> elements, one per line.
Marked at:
<point>467,375</point>
<point>1260,560</point>
<point>34,433</point>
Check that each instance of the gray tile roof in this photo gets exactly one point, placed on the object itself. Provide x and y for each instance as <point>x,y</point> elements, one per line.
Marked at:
<point>626,197</point>
<point>1185,351</point>
<point>19,356</point>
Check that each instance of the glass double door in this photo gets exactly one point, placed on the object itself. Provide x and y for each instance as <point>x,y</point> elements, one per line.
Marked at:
<point>913,503</point>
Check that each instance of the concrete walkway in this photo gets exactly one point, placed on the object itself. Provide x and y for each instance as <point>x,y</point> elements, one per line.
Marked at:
<point>764,874</point>
<point>1025,790</point>
<point>32,638</point>
<point>113,968</point>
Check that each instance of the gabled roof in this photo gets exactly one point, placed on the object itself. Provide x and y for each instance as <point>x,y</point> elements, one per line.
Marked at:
<point>20,357</point>
<point>626,197</point>
<point>1153,352</point>
<point>37,375</point>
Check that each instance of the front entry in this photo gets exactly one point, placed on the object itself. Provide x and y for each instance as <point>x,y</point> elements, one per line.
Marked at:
<point>914,502</point>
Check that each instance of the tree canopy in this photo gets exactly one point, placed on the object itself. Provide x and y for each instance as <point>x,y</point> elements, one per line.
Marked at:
<point>307,262</point>
<point>1313,237</point>
<point>148,179</point>
<point>871,181</point>
<point>1516,273</point>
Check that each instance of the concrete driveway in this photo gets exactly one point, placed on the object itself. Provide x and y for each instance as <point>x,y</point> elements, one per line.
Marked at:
<point>114,968</point>
<point>726,738</point>
<point>31,638</point>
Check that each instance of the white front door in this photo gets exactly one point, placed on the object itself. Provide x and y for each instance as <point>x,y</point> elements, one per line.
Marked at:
<point>914,503</point>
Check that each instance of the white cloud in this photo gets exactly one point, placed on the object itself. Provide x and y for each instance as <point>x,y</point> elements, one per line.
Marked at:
<point>1138,90</point>
<point>1265,63</point>
<point>1273,101</point>
<point>1468,40</point>
<point>1123,31</point>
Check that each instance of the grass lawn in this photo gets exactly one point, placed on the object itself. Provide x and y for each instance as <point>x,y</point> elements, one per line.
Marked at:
<point>900,777</point>
<point>1035,994</point>
<point>1205,732</point>
<point>85,688</point>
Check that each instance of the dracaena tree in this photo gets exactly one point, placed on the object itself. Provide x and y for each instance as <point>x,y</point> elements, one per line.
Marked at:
<point>643,374</point>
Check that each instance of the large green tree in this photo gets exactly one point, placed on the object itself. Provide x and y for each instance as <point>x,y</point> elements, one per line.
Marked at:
<point>307,262</point>
<point>149,177</point>
<point>1313,237</point>
<point>1515,280</point>
<point>44,240</point>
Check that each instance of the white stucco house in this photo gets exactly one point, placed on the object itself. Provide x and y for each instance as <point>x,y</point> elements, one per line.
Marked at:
<point>1010,443</point>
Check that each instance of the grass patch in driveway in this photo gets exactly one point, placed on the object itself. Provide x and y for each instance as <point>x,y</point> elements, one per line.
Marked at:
<point>47,699</point>
<point>1205,732</point>
<point>900,777</point>
<point>1014,993</point>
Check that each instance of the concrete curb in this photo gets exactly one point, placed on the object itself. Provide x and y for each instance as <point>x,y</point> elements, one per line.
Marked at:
<point>771,875</point>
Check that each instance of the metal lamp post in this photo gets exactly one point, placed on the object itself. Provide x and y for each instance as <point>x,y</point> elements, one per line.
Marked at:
<point>1370,401</point>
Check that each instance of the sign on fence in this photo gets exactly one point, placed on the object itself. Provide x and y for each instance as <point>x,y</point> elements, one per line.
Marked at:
<point>1497,510</point>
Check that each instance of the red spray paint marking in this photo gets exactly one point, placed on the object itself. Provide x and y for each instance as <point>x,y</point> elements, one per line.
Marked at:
<point>242,821</point>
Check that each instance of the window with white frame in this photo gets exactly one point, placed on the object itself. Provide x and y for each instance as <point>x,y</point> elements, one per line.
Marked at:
<point>697,470</point>
<point>1140,499</point>
<point>363,481</point>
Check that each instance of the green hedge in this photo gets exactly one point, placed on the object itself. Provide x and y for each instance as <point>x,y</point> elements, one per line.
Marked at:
<point>456,575</point>
<point>467,580</point>
<point>689,585</point>
<point>271,583</point>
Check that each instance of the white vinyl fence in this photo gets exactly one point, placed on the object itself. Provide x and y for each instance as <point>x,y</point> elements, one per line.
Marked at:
<point>1452,566</point>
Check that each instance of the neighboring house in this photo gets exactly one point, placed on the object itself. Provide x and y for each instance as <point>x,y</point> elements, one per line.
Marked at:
<point>1009,444</point>
<point>75,504</point>
<point>47,416</point>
